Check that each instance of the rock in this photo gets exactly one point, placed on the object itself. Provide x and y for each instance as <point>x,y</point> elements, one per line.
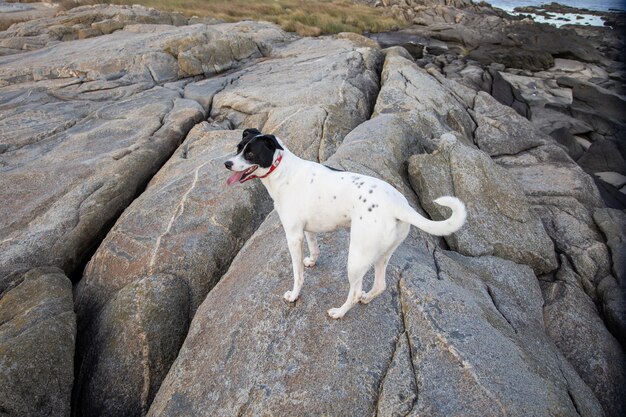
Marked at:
<point>56,218</point>
<point>612,223</point>
<point>549,119</point>
<point>583,142</point>
<point>398,391</point>
<point>613,178</point>
<point>564,196</point>
<point>594,97</point>
<point>571,227</point>
<point>152,54</point>
<point>137,334</point>
<point>86,125</point>
<point>501,130</point>
<point>80,23</point>
<point>301,93</point>
<point>425,103</point>
<point>572,321</point>
<point>415,45</point>
<point>37,335</point>
<point>204,91</point>
<point>486,37</point>
<point>64,183</point>
<point>548,171</point>
<point>194,225</point>
<point>470,74</point>
<point>499,220</point>
<point>604,155</point>
<point>613,197</point>
<point>187,225</point>
<point>565,138</point>
<point>568,65</point>
<point>613,308</point>
<point>11,13</point>
<point>283,365</point>
<point>269,376</point>
<point>477,302</point>
<point>550,104</point>
<point>537,91</point>
<point>576,69</point>
<point>507,94</point>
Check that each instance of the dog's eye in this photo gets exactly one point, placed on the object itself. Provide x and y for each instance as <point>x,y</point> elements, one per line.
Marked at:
<point>249,155</point>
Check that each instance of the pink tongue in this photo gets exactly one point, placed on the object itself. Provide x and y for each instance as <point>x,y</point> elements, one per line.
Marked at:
<point>235,177</point>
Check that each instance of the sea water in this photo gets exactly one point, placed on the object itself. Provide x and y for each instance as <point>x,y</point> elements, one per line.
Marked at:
<point>556,19</point>
<point>599,5</point>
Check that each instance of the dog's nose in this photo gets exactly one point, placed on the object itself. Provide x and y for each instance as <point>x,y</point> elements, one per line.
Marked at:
<point>228,164</point>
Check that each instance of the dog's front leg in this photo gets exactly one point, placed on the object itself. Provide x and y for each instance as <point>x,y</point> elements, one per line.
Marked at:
<point>295,238</point>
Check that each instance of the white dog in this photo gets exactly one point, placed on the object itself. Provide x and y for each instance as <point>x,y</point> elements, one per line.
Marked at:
<point>312,198</point>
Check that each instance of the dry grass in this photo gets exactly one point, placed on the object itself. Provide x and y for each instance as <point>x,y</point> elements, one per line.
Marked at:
<point>307,17</point>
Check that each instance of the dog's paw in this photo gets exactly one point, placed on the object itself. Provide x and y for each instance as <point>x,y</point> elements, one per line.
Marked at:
<point>336,313</point>
<point>290,297</point>
<point>366,298</point>
<point>309,262</point>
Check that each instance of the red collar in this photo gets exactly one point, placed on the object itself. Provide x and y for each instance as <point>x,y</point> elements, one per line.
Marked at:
<point>272,168</point>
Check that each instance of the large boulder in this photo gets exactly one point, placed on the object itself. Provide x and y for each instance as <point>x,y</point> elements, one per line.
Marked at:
<point>478,324</point>
<point>12,13</point>
<point>313,92</point>
<point>427,105</point>
<point>137,334</point>
<point>195,226</point>
<point>499,222</point>
<point>574,324</point>
<point>565,197</point>
<point>501,130</point>
<point>250,352</point>
<point>37,335</point>
<point>604,155</point>
<point>80,23</point>
<point>612,223</point>
<point>89,122</point>
<point>63,192</point>
<point>151,54</point>
<point>590,96</point>
<point>612,289</point>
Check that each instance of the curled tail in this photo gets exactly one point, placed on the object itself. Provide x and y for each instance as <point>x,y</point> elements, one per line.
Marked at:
<point>438,228</point>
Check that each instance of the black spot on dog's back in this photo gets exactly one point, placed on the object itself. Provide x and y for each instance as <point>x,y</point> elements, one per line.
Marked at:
<point>335,169</point>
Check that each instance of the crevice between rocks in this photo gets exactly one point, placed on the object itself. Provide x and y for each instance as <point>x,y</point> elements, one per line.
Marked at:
<point>409,344</point>
<point>77,273</point>
<point>496,305</point>
<point>567,384</point>
<point>384,375</point>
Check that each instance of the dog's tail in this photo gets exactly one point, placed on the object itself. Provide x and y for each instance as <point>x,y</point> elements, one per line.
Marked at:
<point>438,228</point>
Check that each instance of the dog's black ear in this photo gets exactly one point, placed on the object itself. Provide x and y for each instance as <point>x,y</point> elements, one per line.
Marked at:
<point>271,141</point>
<point>248,132</point>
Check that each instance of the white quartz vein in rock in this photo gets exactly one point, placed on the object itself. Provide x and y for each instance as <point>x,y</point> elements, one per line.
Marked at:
<point>180,209</point>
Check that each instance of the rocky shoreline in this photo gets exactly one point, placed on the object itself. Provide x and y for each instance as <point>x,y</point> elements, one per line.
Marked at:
<point>114,125</point>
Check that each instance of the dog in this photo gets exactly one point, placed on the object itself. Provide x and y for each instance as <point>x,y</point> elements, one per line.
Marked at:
<point>311,198</point>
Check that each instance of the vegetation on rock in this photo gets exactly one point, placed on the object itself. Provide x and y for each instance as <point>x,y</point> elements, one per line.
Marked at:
<point>307,18</point>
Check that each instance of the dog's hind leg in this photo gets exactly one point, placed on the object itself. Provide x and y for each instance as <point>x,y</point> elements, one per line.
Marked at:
<point>314,249</point>
<point>357,267</point>
<point>294,242</point>
<point>379,278</point>
<point>380,267</point>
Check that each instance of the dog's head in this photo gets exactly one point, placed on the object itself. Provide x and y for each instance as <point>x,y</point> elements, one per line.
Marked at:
<point>255,153</point>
